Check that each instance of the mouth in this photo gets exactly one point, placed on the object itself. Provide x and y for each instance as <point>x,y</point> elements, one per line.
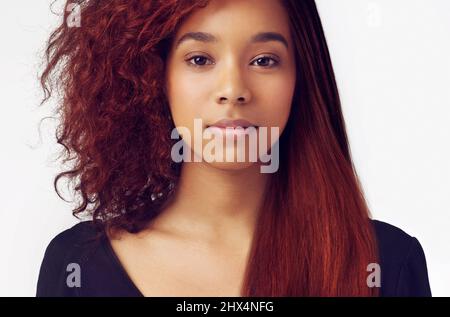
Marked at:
<point>228,124</point>
<point>233,131</point>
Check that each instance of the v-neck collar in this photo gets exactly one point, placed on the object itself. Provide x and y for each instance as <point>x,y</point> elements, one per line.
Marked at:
<point>114,259</point>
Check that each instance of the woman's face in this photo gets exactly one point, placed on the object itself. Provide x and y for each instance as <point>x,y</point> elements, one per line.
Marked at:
<point>231,70</point>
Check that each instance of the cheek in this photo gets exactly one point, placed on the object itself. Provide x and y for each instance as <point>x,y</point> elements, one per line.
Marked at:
<point>277,103</point>
<point>186,95</point>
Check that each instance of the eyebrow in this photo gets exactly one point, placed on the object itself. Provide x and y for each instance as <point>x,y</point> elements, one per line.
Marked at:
<point>261,37</point>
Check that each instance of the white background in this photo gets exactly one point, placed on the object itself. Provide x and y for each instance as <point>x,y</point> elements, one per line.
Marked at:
<point>392,63</point>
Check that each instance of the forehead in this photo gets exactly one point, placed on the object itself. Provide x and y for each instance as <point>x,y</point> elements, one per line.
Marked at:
<point>238,19</point>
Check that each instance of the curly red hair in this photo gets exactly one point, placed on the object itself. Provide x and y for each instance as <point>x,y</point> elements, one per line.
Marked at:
<point>114,114</point>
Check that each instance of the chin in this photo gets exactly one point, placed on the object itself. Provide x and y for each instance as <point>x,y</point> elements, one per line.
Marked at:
<point>232,166</point>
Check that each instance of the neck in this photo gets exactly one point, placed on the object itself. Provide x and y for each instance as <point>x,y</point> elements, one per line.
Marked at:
<point>215,204</point>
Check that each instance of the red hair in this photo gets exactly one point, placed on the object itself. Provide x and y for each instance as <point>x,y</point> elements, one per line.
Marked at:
<point>314,236</point>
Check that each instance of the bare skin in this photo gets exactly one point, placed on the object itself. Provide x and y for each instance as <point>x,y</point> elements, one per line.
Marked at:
<point>200,243</point>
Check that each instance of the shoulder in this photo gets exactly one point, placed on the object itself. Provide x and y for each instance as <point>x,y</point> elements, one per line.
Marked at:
<point>391,238</point>
<point>70,247</point>
<point>75,234</point>
<point>403,263</point>
<point>71,240</point>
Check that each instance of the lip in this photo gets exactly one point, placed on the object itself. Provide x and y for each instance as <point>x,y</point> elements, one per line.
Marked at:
<point>230,123</point>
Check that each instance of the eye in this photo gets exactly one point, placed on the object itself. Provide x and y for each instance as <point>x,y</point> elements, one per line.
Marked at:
<point>198,60</point>
<point>265,59</point>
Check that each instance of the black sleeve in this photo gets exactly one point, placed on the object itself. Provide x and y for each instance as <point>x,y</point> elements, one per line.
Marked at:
<point>413,279</point>
<point>48,272</point>
<point>52,273</point>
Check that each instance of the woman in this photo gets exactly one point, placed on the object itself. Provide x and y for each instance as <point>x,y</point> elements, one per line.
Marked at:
<point>135,70</point>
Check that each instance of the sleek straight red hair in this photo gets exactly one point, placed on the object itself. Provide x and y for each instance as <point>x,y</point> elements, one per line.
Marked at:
<point>314,236</point>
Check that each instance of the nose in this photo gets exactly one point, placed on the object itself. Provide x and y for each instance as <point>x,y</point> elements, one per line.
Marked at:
<point>233,89</point>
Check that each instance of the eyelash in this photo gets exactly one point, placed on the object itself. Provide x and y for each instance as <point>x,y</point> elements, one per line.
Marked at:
<point>275,61</point>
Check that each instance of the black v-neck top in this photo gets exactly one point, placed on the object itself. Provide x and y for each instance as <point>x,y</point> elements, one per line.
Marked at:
<point>74,256</point>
